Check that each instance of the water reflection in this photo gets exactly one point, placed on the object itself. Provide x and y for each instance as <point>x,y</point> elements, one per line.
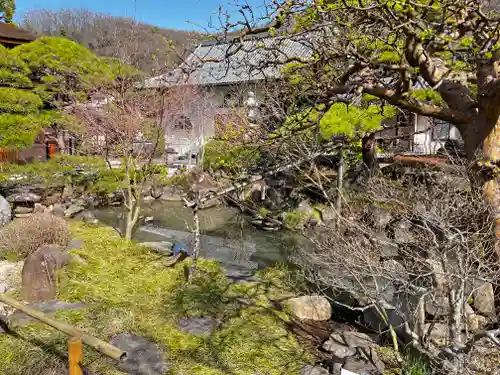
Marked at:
<point>228,236</point>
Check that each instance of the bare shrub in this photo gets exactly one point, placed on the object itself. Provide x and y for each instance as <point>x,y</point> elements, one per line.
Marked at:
<point>23,237</point>
<point>416,268</point>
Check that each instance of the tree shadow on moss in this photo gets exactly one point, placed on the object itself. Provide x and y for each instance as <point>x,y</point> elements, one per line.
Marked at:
<point>253,334</point>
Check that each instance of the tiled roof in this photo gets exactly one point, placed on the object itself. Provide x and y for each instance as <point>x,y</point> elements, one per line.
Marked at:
<point>213,63</point>
<point>10,31</point>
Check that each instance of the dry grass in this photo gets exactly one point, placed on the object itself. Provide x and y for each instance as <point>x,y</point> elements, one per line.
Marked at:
<point>23,237</point>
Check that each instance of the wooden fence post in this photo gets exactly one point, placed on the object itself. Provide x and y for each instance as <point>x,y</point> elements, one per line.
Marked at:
<point>75,355</point>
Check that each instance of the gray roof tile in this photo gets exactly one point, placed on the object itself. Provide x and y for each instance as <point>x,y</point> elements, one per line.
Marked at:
<point>234,62</point>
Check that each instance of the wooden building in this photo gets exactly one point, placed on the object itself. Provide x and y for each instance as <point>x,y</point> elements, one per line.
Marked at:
<point>11,35</point>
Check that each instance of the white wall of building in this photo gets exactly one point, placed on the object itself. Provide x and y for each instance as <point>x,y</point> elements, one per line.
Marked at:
<point>216,99</point>
<point>427,141</point>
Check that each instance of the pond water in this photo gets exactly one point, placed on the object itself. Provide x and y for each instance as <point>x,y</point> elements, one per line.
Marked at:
<point>226,234</point>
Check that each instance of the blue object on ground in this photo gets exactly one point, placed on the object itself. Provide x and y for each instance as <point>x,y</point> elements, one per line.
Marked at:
<point>179,248</point>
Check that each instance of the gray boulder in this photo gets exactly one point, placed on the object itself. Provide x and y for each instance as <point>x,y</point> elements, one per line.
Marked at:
<point>366,365</point>
<point>438,306</point>
<point>310,308</point>
<point>57,210</point>
<point>353,339</point>
<point>379,217</point>
<point>395,270</point>
<point>371,319</point>
<point>39,208</point>
<point>143,356</point>
<point>38,275</point>
<point>75,243</point>
<point>484,299</point>
<point>24,197</point>
<point>74,209</point>
<point>5,212</point>
<point>87,217</point>
<point>386,247</point>
<point>402,232</point>
<point>23,210</point>
<point>338,350</point>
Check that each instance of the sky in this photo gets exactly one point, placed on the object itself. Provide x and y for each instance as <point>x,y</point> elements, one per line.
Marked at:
<point>163,13</point>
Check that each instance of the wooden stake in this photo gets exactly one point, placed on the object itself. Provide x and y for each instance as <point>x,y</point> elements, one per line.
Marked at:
<point>75,355</point>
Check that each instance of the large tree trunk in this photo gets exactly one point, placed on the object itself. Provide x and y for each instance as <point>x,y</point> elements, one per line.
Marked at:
<point>132,218</point>
<point>369,153</point>
<point>491,179</point>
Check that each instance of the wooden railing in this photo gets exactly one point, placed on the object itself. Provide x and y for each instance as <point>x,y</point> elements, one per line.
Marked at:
<point>76,337</point>
<point>8,156</point>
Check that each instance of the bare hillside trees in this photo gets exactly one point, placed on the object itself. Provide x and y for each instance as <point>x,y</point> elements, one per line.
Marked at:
<point>145,46</point>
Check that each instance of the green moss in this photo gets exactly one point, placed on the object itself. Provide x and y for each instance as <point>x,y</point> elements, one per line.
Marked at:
<point>294,219</point>
<point>129,289</point>
<point>264,211</point>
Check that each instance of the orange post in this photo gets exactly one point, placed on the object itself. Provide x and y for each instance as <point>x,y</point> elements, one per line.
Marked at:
<point>75,355</point>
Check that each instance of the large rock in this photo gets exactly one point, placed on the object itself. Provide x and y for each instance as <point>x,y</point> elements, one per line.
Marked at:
<point>87,217</point>
<point>52,199</point>
<point>57,210</point>
<point>365,366</point>
<point>39,208</point>
<point>143,356</point>
<point>353,339</point>
<point>10,275</point>
<point>439,334</point>
<point>379,217</point>
<point>5,211</point>
<point>401,231</point>
<point>38,275</point>
<point>24,197</point>
<point>75,243</point>
<point>371,319</point>
<point>338,350</point>
<point>484,299</point>
<point>386,247</point>
<point>476,322</point>
<point>438,306</point>
<point>310,308</point>
<point>23,209</point>
<point>74,209</point>
<point>395,270</point>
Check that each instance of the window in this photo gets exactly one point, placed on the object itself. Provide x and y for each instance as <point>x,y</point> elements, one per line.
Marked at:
<point>233,99</point>
<point>440,130</point>
<point>183,123</point>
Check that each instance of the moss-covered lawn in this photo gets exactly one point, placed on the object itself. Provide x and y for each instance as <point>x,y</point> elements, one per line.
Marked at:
<point>128,289</point>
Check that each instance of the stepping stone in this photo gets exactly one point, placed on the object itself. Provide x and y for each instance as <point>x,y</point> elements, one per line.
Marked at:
<point>75,243</point>
<point>197,326</point>
<point>18,318</point>
<point>144,357</point>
